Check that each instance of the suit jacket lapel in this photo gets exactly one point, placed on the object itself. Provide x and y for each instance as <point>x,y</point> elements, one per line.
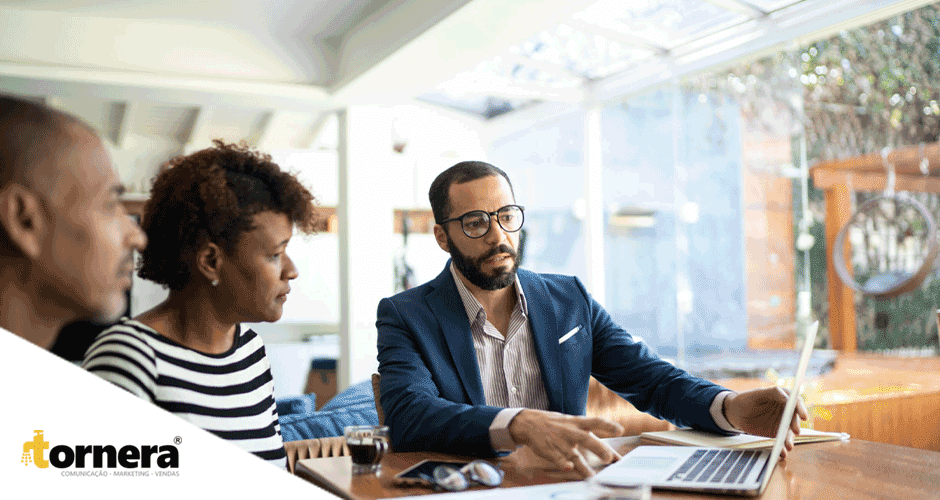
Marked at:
<point>445,302</point>
<point>544,328</point>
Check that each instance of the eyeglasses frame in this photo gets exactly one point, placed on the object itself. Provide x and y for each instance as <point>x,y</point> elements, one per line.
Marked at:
<point>467,472</point>
<point>490,217</point>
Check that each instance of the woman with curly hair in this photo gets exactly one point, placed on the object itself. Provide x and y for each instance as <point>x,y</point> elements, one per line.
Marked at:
<point>218,221</point>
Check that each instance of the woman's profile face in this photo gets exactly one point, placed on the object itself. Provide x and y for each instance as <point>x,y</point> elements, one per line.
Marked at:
<point>258,274</point>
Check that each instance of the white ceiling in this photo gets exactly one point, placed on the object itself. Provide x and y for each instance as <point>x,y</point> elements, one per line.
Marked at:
<point>273,71</point>
<point>270,41</point>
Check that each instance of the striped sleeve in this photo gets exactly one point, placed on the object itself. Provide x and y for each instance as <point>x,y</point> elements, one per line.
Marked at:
<point>121,356</point>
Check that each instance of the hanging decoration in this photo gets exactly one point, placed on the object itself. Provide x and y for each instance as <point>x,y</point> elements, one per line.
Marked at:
<point>892,241</point>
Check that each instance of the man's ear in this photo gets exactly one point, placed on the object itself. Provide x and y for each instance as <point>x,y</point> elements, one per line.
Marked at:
<point>22,217</point>
<point>441,237</point>
<point>209,260</point>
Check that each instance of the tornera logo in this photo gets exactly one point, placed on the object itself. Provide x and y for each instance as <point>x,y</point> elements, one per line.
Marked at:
<point>98,456</point>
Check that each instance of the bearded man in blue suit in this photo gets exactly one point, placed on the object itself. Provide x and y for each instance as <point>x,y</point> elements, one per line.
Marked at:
<point>487,357</point>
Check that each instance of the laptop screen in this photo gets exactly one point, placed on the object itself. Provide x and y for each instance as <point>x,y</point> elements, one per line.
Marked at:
<point>788,410</point>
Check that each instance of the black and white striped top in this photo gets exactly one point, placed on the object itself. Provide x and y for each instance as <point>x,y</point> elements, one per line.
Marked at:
<point>230,395</point>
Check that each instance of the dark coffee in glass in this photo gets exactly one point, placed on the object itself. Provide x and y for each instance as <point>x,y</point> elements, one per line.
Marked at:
<point>367,445</point>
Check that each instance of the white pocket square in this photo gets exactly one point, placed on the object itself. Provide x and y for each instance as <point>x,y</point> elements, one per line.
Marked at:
<point>569,334</point>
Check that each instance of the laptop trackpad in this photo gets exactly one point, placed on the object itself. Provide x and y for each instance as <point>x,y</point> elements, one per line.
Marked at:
<point>645,466</point>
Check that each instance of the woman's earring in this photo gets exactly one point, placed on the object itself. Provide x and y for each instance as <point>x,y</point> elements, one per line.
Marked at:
<point>215,282</point>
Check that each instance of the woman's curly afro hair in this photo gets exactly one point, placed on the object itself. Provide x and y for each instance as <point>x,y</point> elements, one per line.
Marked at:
<point>212,196</point>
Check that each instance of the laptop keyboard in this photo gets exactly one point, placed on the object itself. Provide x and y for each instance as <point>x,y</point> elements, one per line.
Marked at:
<point>716,466</point>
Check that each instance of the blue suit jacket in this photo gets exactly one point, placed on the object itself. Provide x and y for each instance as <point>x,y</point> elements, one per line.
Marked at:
<point>431,389</point>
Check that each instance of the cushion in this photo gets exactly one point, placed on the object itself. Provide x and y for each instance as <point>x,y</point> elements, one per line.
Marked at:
<point>354,406</point>
<point>353,395</point>
<point>297,404</point>
<point>326,423</point>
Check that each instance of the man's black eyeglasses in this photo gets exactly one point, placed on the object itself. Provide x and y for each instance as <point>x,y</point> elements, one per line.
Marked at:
<point>476,224</point>
<point>450,478</point>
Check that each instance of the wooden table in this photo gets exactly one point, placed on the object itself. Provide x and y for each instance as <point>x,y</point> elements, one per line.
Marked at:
<point>854,470</point>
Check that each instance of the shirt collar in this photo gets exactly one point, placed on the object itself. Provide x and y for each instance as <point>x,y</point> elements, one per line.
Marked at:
<point>472,305</point>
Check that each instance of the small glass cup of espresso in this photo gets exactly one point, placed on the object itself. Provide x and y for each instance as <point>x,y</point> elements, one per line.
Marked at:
<point>367,445</point>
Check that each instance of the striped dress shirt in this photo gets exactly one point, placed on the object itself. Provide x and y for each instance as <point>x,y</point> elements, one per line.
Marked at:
<point>509,368</point>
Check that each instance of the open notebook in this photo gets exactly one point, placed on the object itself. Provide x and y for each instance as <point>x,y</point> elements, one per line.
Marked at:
<point>692,437</point>
<point>710,469</point>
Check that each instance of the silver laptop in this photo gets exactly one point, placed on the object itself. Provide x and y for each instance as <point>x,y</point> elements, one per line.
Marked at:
<point>710,470</point>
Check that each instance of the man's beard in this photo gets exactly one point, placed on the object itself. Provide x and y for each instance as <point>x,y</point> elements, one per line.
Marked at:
<point>471,268</point>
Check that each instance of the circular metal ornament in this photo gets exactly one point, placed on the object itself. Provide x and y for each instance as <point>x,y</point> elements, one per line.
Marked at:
<point>898,240</point>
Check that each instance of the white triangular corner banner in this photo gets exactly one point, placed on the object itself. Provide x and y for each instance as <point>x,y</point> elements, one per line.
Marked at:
<point>74,409</point>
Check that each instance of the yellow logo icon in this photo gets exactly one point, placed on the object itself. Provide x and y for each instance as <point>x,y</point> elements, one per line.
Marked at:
<point>37,445</point>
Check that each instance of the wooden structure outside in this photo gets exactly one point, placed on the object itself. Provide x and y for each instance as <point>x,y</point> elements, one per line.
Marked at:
<point>863,173</point>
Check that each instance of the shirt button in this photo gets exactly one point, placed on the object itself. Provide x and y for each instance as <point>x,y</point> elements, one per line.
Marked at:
<point>514,390</point>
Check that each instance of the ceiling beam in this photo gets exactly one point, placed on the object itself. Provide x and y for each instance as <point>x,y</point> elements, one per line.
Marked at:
<point>319,124</point>
<point>283,129</point>
<point>616,35</point>
<point>741,7</point>
<point>265,135</point>
<point>197,138</point>
<point>30,79</point>
<point>125,124</point>
<point>408,49</point>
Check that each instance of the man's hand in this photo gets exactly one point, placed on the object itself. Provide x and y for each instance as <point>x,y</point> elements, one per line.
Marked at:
<point>561,439</point>
<point>758,412</point>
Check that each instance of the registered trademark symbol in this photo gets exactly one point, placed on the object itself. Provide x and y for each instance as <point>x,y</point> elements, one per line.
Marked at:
<point>177,440</point>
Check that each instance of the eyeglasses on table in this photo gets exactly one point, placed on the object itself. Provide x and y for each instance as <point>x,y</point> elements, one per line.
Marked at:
<point>450,478</point>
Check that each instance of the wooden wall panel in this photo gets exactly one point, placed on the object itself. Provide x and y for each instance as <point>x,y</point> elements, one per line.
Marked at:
<point>906,420</point>
<point>768,227</point>
<point>875,398</point>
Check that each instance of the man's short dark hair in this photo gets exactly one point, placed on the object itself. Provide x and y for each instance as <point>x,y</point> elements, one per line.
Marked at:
<point>30,133</point>
<point>460,173</point>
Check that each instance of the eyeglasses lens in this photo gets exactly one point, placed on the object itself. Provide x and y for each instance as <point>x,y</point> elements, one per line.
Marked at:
<point>450,478</point>
<point>476,224</point>
<point>484,473</point>
<point>510,218</point>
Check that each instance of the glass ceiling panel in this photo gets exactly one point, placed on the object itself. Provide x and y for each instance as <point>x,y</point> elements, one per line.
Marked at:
<point>664,23</point>
<point>605,41</point>
<point>589,56</point>
<point>515,70</point>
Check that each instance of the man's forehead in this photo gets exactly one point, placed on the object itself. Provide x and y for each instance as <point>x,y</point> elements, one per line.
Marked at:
<point>486,193</point>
